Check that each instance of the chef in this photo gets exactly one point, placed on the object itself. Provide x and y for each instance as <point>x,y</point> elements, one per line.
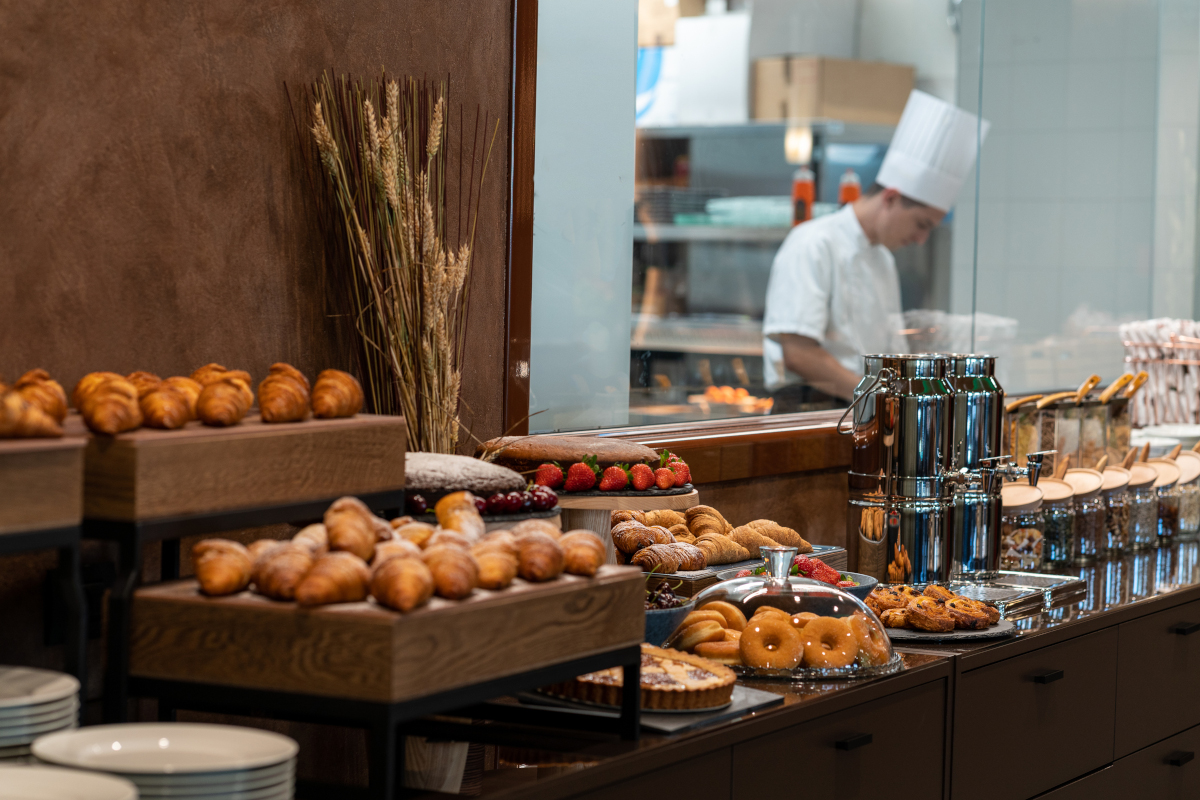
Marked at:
<point>834,295</point>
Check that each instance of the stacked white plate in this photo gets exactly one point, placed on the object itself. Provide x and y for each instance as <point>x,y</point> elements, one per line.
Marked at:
<point>33,702</point>
<point>181,761</point>
<point>54,783</point>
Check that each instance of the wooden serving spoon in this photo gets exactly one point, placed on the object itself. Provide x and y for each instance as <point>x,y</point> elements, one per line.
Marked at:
<point>1063,465</point>
<point>1114,387</point>
<point>1145,453</point>
<point>1174,454</point>
<point>1130,457</point>
<point>1087,386</point>
<point>1102,463</point>
<point>1053,398</point>
<point>1137,382</point>
<point>1015,404</point>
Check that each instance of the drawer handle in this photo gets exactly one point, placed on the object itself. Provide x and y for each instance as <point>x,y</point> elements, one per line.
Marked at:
<point>1186,628</point>
<point>1179,758</point>
<point>1049,677</point>
<point>854,742</point>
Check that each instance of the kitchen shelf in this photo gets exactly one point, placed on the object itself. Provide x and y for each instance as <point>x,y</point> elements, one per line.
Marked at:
<point>662,232</point>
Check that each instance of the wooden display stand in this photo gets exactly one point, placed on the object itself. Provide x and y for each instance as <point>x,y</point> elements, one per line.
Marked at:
<point>593,513</point>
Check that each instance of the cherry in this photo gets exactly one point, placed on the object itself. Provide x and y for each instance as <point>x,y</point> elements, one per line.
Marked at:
<point>417,504</point>
<point>480,504</point>
<point>515,501</point>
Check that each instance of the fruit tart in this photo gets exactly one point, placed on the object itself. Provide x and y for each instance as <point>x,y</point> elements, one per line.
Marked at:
<point>670,680</point>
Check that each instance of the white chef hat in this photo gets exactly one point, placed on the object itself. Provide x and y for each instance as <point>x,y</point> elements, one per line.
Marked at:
<point>932,151</point>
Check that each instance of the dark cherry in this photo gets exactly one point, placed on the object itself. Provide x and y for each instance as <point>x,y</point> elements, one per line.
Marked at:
<point>480,505</point>
<point>497,504</point>
<point>543,501</point>
<point>515,501</point>
<point>526,501</point>
<point>417,505</point>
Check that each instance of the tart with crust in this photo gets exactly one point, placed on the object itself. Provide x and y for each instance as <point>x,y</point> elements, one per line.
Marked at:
<point>670,680</point>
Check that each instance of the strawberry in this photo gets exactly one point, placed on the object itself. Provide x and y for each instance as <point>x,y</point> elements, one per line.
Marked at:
<point>817,570</point>
<point>581,475</point>
<point>614,478</point>
<point>641,476</point>
<point>550,475</point>
<point>682,473</point>
<point>664,478</point>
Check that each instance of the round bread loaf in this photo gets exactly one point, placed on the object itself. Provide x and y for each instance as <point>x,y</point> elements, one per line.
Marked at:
<point>526,453</point>
<point>435,474</point>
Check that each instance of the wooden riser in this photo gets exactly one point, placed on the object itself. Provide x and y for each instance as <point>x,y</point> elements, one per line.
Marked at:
<point>41,483</point>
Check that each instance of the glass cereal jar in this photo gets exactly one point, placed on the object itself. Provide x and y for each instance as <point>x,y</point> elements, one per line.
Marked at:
<point>1143,507</point>
<point>1021,527</point>
<point>1115,491</point>
<point>1166,489</point>
<point>1059,523</point>
<point>1089,515</point>
<point>1189,495</point>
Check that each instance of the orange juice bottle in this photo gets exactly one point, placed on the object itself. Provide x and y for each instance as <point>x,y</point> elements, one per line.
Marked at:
<point>803,194</point>
<point>849,188</point>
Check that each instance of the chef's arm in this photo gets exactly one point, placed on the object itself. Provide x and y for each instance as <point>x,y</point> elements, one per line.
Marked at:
<point>813,363</point>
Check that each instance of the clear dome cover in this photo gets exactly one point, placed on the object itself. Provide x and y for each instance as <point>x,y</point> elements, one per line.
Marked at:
<point>786,627</point>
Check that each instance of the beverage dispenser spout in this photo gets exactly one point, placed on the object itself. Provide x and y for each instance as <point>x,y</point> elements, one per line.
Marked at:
<point>1032,469</point>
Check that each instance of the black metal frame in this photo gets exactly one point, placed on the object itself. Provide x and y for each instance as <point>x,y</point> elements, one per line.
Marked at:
<point>132,536</point>
<point>385,722</point>
<point>66,540</point>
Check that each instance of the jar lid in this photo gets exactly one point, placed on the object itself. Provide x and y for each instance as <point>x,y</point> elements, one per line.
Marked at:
<point>1168,473</point>
<point>1115,478</point>
<point>1018,497</point>
<point>1055,490</point>
<point>1189,466</point>
<point>1086,482</point>
<point>1142,475</point>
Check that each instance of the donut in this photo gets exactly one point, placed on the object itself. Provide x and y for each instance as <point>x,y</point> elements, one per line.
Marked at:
<point>734,618</point>
<point>731,635</point>
<point>872,642</point>
<point>720,652</point>
<point>762,610</point>
<point>703,631</point>
<point>829,643</point>
<point>771,643</point>
<point>803,618</point>
<point>700,616</point>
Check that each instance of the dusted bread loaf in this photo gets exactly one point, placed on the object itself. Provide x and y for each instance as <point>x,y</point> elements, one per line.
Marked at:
<point>525,453</point>
<point>435,474</point>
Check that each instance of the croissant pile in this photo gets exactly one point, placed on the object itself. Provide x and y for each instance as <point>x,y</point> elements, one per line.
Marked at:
<point>353,553</point>
<point>33,407</point>
<point>699,538</point>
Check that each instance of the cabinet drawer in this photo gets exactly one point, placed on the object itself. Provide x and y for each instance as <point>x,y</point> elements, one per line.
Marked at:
<point>703,778</point>
<point>1057,702</point>
<point>1158,664</point>
<point>1168,770</point>
<point>893,747</point>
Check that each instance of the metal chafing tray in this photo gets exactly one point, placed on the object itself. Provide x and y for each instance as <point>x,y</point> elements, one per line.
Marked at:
<point>1023,594</point>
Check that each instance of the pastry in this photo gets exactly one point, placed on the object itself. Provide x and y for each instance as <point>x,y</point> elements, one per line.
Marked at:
<point>455,571</point>
<point>829,643</point>
<point>280,569</point>
<point>443,536</point>
<point>686,637</point>
<point>497,565</point>
<point>583,552</point>
<point>720,549</point>
<point>927,614</point>
<point>527,453</point>
<point>353,528</point>
<point>283,395</point>
<point>190,389</point>
<point>537,526</point>
<point>111,406</point>
<point>706,519</point>
<point>895,618</point>
<point>402,584</point>
<point>873,645</point>
<point>627,516</point>
<point>728,652</point>
<point>334,578</point>
<point>419,533</point>
<point>433,475</point>
<point>664,517</point>
<point>336,394</point>
<point>145,382</point>
<point>457,512</point>
<point>21,419</point>
<point>751,539</point>
<point>770,642</point>
<point>315,537</point>
<point>39,388</point>
<point>504,540</point>
<point>630,537</point>
<point>222,566</point>
<point>669,680</point>
<point>660,558</point>
<point>260,546</point>
<point>393,548</point>
<point>778,533</point>
<point>164,407</point>
<point>700,615</point>
<point>539,557</point>
<point>967,614</point>
<point>661,535</point>
<point>87,383</point>
<point>223,402</point>
<point>733,616</point>
<point>210,373</point>
<point>682,534</point>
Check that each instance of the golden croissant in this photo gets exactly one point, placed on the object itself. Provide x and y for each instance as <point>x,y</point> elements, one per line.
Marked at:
<point>145,382</point>
<point>315,537</point>
<point>539,557</point>
<point>89,382</point>
<point>280,569</point>
<point>583,552</point>
<point>165,407</point>
<point>336,394</point>
<point>457,512</point>
<point>455,571</point>
<point>190,389</point>
<point>497,560</point>
<point>283,395</point>
<point>393,548</point>
<point>21,419</point>
<point>334,578</point>
<point>222,566</point>
<point>210,373</point>
<point>111,406</point>
<point>402,584</point>
<point>224,402</point>
<point>39,388</point>
<point>353,528</point>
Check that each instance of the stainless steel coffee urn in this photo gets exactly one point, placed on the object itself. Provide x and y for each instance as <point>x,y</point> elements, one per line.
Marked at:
<point>926,468</point>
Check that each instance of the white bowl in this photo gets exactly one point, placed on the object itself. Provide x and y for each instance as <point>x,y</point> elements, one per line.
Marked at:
<point>34,782</point>
<point>26,686</point>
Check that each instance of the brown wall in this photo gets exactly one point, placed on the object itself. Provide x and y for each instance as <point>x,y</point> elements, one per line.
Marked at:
<point>154,210</point>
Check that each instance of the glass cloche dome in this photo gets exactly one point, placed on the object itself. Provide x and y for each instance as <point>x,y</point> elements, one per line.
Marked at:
<point>775,626</point>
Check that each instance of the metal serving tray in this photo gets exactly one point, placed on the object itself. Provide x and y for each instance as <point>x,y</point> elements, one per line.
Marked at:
<point>1022,594</point>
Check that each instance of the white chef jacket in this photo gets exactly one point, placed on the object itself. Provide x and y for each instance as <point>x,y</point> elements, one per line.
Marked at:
<point>829,283</point>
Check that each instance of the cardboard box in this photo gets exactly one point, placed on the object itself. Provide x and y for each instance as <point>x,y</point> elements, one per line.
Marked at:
<point>810,87</point>
<point>656,20</point>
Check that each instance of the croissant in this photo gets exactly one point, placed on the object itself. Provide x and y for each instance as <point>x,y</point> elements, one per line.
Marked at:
<point>111,407</point>
<point>190,389</point>
<point>164,407</point>
<point>539,557</point>
<point>443,536</point>
<point>501,540</point>
<point>706,519</point>
<point>336,394</point>
<point>334,578</point>
<point>456,512</point>
<point>537,526</point>
<point>402,584</point>
<point>627,516</point>
<point>664,517</point>
<point>419,533</point>
<point>352,527</point>
<point>38,388</point>
<point>784,536</point>
<point>583,552</point>
<point>393,548</point>
<point>211,373</point>
<point>661,535</point>
<point>719,549</point>
<point>21,419</point>
<point>222,566</point>
<point>315,537</point>
<point>455,571</point>
<point>258,547</point>
<point>399,521</point>
<point>629,537</point>
<point>497,565</point>
<point>690,557</point>
<point>751,539</point>
<point>279,570</point>
<point>224,402</point>
<point>145,382</point>
<point>87,383</point>
<point>682,534</point>
<point>283,395</point>
<point>660,558</point>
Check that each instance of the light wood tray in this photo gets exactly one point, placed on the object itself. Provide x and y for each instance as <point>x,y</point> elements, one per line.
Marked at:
<point>41,483</point>
<point>147,473</point>
<point>365,652</point>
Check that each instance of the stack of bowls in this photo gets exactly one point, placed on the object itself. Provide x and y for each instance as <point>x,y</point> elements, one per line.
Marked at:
<point>33,702</point>
<point>54,783</point>
<point>177,760</point>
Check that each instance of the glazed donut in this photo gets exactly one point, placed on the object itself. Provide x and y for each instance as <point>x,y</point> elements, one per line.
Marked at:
<point>762,610</point>
<point>927,614</point>
<point>829,643</point>
<point>720,652</point>
<point>731,635</point>
<point>803,618</point>
<point>872,642</point>
<point>771,643</point>
<point>700,616</point>
<point>734,618</point>
<point>688,637</point>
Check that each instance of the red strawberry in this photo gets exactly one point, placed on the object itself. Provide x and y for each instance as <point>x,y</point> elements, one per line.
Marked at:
<point>682,473</point>
<point>581,475</point>
<point>641,476</point>
<point>549,474</point>
<point>664,478</point>
<point>614,479</point>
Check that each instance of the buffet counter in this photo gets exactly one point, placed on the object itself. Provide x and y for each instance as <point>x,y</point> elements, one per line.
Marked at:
<point>1109,681</point>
